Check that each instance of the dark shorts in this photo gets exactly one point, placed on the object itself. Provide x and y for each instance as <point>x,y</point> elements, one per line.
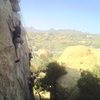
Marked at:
<point>17,42</point>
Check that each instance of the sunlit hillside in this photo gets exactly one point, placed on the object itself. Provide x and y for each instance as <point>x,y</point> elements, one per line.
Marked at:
<point>75,50</point>
<point>56,41</point>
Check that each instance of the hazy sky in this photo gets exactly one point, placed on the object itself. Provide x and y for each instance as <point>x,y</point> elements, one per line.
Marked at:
<point>81,15</point>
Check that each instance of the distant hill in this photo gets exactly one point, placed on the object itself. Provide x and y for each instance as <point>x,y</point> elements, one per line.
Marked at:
<point>57,40</point>
<point>31,29</point>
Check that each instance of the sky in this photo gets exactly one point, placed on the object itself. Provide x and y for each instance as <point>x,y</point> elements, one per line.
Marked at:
<point>82,15</point>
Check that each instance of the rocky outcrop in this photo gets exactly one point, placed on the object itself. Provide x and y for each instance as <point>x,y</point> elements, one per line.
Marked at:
<point>77,57</point>
<point>13,76</point>
<point>77,60</point>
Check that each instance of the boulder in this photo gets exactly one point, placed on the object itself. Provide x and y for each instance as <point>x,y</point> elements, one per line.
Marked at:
<point>76,59</point>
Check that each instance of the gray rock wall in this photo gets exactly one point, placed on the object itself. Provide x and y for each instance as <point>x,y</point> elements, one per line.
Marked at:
<point>13,76</point>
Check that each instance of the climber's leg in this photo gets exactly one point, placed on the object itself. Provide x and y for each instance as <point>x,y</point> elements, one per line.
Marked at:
<point>17,49</point>
<point>17,52</point>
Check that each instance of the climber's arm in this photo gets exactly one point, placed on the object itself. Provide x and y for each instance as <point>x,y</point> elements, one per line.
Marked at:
<point>10,25</point>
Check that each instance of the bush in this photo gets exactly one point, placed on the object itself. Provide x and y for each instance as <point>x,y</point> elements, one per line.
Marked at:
<point>89,86</point>
<point>53,72</point>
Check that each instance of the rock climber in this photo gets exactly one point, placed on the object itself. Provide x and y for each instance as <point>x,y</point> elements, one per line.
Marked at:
<point>16,37</point>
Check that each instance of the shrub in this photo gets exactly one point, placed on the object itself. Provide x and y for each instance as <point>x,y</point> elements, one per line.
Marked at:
<point>53,72</point>
<point>89,86</point>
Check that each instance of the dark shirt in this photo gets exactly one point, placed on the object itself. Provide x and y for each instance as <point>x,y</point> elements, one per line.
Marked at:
<point>17,32</point>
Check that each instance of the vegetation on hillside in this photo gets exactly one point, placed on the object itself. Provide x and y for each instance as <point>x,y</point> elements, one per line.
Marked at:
<point>53,72</point>
<point>56,41</point>
<point>89,86</point>
<point>83,56</point>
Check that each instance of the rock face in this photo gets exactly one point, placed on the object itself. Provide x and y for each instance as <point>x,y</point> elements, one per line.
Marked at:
<point>13,76</point>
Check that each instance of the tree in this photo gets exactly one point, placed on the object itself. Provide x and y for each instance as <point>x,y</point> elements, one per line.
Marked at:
<point>53,72</point>
<point>89,86</point>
